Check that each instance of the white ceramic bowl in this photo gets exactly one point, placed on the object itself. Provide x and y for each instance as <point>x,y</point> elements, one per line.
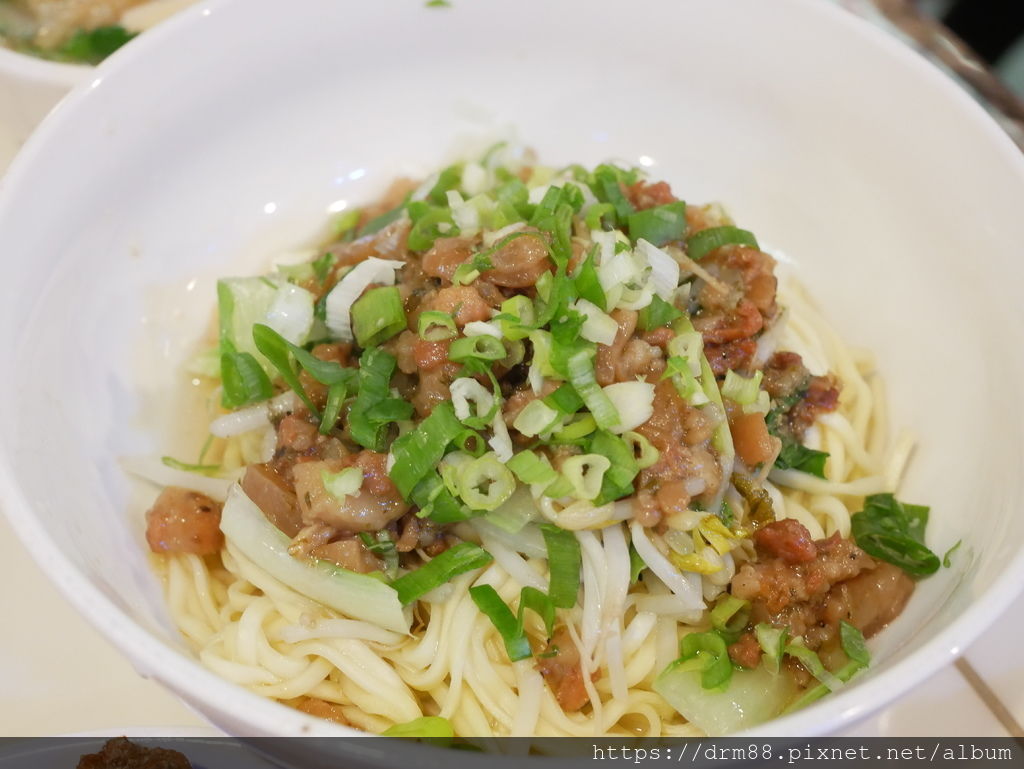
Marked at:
<point>225,136</point>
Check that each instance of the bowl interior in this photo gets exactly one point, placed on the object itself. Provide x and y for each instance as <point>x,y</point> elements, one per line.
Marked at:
<point>897,199</point>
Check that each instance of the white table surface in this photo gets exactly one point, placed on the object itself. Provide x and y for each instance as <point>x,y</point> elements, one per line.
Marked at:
<point>59,676</point>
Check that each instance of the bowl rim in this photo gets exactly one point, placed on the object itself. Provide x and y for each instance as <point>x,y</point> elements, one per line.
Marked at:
<point>185,676</point>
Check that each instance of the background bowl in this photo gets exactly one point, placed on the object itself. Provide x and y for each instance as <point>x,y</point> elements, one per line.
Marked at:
<point>29,87</point>
<point>228,134</point>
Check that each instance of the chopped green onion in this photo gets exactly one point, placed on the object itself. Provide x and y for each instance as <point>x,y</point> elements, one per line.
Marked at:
<point>441,569</point>
<point>852,641</point>
<point>378,315</point>
<point>531,468</point>
<point>564,563</point>
<point>586,473</point>
<point>606,187</point>
<point>533,599</point>
<point>579,426</point>
<point>475,406</point>
<point>428,224</point>
<point>741,390</point>
<point>772,641</point>
<point>375,369</point>
<point>471,442</point>
<point>597,325</point>
<point>517,645</point>
<point>345,224</point>
<point>382,547</point>
<point>419,451</point>
<point>481,348</point>
<point>485,483</point>
<point>946,562</point>
<point>535,418</point>
<point>522,309</point>
<point>657,314</point>
<point>342,484</point>
<point>332,410</point>
<point>277,350</point>
<point>730,615</point>
<point>707,652</point>
<point>424,727</point>
<point>434,326</point>
<point>633,402</point>
<point>322,267</point>
<point>618,480</point>
<point>580,370</point>
<point>686,383</point>
<point>893,531</point>
<point>658,225</point>
<point>812,663</point>
<point>636,565</point>
<point>243,380</point>
<point>643,451</point>
<point>600,214</point>
<point>339,380</point>
<point>200,469</point>
<point>845,673</point>
<point>565,399</point>
<point>588,285</point>
<point>436,502</point>
<point>378,223</point>
<point>448,179</point>
<point>699,244</point>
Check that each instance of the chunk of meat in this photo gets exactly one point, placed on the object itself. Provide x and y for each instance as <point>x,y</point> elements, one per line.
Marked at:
<point>750,435</point>
<point>429,355</point>
<point>821,397</point>
<point>314,706</point>
<point>679,432</point>
<point>296,433</point>
<point>786,380</point>
<point>775,585</point>
<point>732,355</point>
<point>464,303</point>
<point>784,375</point>
<point>122,753</point>
<point>871,600</point>
<point>786,539</point>
<point>415,355</point>
<point>445,256</point>
<point>563,671</point>
<point>371,509</point>
<point>433,387</point>
<point>520,262</point>
<point>746,651</point>
<point>390,242</point>
<point>184,521</point>
<point>609,355</point>
<point>645,195</point>
<point>729,325</point>
<point>809,587</point>
<point>348,553</point>
<point>274,495</point>
<point>750,270</point>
